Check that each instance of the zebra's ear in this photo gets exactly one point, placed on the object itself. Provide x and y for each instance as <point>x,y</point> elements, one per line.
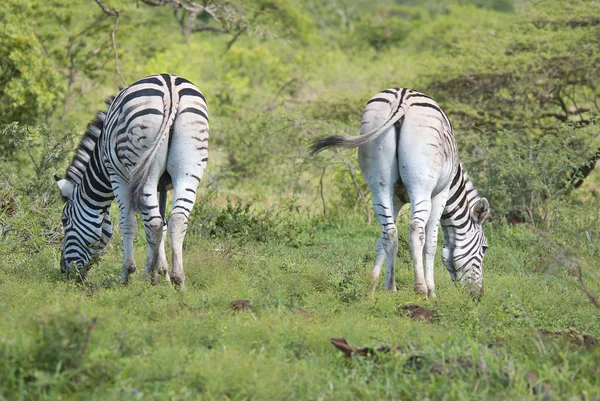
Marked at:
<point>481,210</point>
<point>66,187</point>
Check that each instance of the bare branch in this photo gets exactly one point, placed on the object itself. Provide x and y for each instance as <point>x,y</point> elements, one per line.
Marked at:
<point>209,28</point>
<point>236,37</point>
<point>116,14</point>
<point>229,19</point>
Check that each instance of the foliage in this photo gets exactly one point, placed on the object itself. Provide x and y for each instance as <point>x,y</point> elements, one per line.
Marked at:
<point>240,222</point>
<point>30,89</point>
<point>300,297</point>
<point>388,26</point>
<point>532,73</point>
<point>522,175</point>
<point>28,193</point>
<point>55,360</point>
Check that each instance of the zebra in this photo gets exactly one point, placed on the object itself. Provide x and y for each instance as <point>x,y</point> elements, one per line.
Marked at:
<point>407,153</point>
<point>153,137</point>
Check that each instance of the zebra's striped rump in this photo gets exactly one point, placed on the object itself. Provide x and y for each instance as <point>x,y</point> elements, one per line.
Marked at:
<point>407,146</point>
<point>154,133</point>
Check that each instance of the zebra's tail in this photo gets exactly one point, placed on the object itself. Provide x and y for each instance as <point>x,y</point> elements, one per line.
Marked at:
<point>139,175</point>
<point>381,112</point>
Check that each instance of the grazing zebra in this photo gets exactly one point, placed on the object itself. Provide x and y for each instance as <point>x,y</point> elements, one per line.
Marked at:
<point>154,136</point>
<point>407,153</point>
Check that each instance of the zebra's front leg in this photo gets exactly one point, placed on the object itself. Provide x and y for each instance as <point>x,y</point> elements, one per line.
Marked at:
<point>421,210</point>
<point>128,224</point>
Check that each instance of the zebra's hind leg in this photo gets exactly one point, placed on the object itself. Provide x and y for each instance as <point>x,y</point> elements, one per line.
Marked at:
<point>128,224</point>
<point>184,196</point>
<point>379,167</point>
<point>431,234</point>
<point>153,226</point>
<point>163,267</point>
<point>421,210</point>
<point>387,245</point>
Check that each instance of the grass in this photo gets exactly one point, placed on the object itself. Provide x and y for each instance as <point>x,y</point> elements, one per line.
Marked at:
<point>100,340</point>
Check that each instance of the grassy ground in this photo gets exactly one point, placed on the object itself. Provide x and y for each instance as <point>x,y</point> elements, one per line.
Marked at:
<point>100,340</point>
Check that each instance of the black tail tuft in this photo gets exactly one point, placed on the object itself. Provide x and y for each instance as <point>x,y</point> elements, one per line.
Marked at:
<point>324,143</point>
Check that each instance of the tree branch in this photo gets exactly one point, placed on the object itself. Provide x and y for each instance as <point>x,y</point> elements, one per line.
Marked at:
<point>116,14</point>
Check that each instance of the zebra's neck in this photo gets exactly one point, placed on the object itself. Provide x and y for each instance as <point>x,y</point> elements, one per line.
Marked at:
<point>87,171</point>
<point>95,190</point>
<point>457,212</point>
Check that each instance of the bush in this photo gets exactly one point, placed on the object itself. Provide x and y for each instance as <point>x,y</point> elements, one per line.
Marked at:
<point>29,200</point>
<point>57,360</point>
<point>240,222</point>
<point>522,176</point>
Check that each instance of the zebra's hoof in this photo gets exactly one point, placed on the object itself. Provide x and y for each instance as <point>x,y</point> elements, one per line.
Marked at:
<point>421,289</point>
<point>177,281</point>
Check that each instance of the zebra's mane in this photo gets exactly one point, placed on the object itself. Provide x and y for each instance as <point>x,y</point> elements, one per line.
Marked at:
<point>472,193</point>
<point>84,151</point>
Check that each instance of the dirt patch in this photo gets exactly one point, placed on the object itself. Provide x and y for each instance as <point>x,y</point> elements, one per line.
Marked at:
<point>418,312</point>
<point>413,362</point>
<point>574,337</point>
<point>7,206</point>
<point>350,351</point>
<point>304,312</point>
<point>240,305</point>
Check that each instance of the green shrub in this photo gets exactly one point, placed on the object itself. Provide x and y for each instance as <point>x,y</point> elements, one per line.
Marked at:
<point>56,359</point>
<point>29,201</point>
<point>241,222</point>
<point>522,175</point>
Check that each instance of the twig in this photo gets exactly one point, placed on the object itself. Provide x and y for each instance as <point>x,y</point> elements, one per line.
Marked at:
<point>576,268</point>
<point>285,85</point>
<point>360,192</point>
<point>321,191</point>
<point>117,15</point>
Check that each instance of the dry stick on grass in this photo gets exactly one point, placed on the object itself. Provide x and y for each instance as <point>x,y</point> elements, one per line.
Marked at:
<point>116,14</point>
<point>576,268</point>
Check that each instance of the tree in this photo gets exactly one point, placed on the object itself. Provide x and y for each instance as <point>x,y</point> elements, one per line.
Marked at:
<point>235,18</point>
<point>30,89</point>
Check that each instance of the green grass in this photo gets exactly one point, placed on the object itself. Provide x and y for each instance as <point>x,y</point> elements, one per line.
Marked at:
<point>101,340</point>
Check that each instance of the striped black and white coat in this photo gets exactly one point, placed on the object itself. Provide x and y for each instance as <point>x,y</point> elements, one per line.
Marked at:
<point>153,137</point>
<point>407,153</point>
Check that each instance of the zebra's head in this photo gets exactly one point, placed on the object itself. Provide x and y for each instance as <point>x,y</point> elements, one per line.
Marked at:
<point>85,235</point>
<point>464,249</point>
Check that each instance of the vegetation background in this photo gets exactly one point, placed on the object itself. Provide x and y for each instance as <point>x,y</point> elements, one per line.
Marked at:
<point>292,234</point>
